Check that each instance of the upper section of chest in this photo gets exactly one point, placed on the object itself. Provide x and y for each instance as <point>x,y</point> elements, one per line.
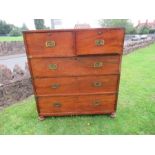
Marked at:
<point>68,43</point>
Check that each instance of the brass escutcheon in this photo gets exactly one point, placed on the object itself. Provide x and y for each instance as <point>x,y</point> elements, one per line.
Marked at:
<point>96,103</point>
<point>53,66</point>
<point>55,85</point>
<point>50,43</point>
<point>98,64</point>
<point>97,84</point>
<point>99,32</point>
<point>99,42</point>
<point>57,104</point>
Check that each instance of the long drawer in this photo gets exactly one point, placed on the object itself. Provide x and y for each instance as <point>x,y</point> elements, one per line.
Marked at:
<point>76,85</point>
<point>75,66</point>
<point>87,104</point>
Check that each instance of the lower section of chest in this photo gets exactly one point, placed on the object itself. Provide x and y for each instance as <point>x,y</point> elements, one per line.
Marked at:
<point>77,104</point>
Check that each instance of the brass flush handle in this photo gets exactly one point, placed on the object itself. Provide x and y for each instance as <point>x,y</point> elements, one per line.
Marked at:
<point>50,44</point>
<point>96,103</point>
<point>97,84</point>
<point>98,64</point>
<point>55,85</point>
<point>99,42</point>
<point>57,104</point>
<point>53,66</point>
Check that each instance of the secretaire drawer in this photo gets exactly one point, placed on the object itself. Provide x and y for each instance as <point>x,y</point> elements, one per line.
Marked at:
<point>50,44</point>
<point>99,41</point>
<point>76,66</point>
<point>77,104</point>
<point>76,85</point>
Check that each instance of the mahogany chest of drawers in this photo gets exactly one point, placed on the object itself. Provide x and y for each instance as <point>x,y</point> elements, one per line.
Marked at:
<point>75,71</point>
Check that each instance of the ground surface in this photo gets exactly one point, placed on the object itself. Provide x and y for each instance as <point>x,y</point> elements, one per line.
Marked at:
<point>135,114</point>
<point>20,38</point>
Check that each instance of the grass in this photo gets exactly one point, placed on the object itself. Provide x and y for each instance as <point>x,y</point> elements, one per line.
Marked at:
<point>9,38</point>
<point>135,113</point>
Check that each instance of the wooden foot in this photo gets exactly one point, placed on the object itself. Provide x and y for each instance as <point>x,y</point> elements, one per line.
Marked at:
<point>41,118</point>
<point>113,115</point>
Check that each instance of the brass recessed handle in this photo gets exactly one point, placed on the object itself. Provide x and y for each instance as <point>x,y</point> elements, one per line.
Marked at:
<point>98,64</point>
<point>99,42</point>
<point>57,104</point>
<point>50,44</point>
<point>97,84</point>
<point>96,103</point>
<point>53,66</point>
<point>55,85</point>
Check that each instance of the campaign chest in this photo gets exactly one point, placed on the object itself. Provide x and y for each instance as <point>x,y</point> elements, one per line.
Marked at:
<point>75,71</point>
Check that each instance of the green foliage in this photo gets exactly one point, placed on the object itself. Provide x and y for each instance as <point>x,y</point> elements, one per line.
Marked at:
<point>24,27</point>
<point>135,112</point>
<point>152,31</point>
<point>126,23</point>
<point>143,30</point>
<point>5,28</point>
<point>10,29</point>
<point>39,24</point>
<point>15,31</point>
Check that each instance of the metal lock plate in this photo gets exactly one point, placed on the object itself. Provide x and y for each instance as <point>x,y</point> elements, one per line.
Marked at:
<point>50,44</point>
<point>99,42</point>
<point>53,66</point>
<point>99,32</point>
<point>57,104</point>
<point>97,84</point>
<point>98,64</point>
<point>55,85</point>
<point>96,103</point>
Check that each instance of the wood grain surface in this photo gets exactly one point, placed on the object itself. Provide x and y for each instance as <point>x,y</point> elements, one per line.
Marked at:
<point>76,85</point>
<point>77,66</point>
<point>78,74</point>
<point>77,104</point>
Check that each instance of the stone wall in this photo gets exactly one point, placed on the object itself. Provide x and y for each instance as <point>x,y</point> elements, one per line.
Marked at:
<point>131,46</point>
<point>7,76</point>
<point>16,85</point>
<point>17,47</point>
<point>11,48</point>
<point>15,91</point>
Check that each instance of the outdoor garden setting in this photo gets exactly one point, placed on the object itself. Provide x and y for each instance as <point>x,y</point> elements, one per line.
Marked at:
<point>135,113</point>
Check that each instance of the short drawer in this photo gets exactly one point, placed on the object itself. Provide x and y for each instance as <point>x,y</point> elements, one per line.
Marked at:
<point>99,41</point>
<point>87,104</point>
<point>50,44</point>
<point>76,85</point>
<point>76,66</point>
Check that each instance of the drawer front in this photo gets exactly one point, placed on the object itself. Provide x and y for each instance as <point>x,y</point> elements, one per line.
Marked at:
<point>100,41</point>
<point>55,67</point>
<point>52,44</point>
<point>76,85</point>
<point>89,104</point>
